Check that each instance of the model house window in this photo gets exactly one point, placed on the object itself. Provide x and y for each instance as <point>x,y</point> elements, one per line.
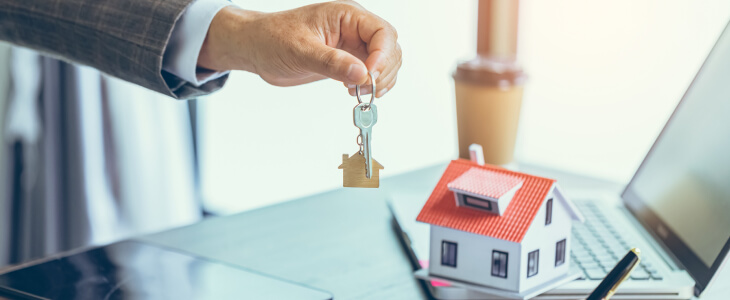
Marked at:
<point>448,254</point>
<point>499,264</point>
<point>549,211</point>
<point>533,258</point>
<point>560,253</point>
<point>477,203</point>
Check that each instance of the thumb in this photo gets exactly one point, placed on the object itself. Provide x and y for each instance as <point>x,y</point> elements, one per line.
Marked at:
<point>336,64</point>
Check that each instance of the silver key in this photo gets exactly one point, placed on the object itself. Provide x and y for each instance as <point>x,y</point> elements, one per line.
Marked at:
<point>366,115</point>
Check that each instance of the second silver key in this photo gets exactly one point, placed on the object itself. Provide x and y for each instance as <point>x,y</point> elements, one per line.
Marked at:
<point>365,116</point>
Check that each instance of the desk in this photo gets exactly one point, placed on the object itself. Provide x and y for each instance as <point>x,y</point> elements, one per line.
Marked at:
<point>340,241</point>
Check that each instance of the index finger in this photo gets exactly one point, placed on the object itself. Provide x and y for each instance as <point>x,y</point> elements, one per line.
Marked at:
<point>381,39</point>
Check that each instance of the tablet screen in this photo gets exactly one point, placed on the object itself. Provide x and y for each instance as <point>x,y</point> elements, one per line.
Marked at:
<point>135,270</point>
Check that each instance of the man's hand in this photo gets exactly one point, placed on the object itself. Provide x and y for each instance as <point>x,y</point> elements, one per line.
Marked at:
<point>339,40</point>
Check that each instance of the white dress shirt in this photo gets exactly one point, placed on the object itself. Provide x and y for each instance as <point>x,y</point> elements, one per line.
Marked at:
<point>181,54</point>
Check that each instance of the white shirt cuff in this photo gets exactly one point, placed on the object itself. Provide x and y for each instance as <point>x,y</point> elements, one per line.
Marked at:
<point>181,54</point>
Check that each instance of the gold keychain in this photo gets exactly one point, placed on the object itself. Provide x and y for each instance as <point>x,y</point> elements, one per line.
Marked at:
<point>360,169</point>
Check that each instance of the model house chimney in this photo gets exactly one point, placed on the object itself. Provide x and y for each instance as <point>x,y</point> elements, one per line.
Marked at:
<point>476,154</point>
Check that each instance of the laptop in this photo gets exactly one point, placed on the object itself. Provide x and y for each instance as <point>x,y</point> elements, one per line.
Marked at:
<point>676,207</point>
<point>137,270</point>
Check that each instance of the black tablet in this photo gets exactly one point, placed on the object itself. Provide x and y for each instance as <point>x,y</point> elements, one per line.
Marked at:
<point>136,270</point>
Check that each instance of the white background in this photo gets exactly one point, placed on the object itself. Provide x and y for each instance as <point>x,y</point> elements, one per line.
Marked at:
<point>603,78</point>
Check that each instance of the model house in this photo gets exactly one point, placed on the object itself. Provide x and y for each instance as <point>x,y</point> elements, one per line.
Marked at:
<point>498,228</point>
<point>354,172</point>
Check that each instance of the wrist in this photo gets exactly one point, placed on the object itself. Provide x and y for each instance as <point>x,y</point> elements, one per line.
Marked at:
<point>227,45</point>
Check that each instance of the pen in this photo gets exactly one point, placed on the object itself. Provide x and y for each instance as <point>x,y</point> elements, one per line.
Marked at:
<point>618,274</point>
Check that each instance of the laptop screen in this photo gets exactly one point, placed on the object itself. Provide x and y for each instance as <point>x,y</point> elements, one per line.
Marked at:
<point>682,189</point>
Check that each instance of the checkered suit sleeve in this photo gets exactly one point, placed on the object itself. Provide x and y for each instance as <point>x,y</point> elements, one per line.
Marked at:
<point>123,38</point>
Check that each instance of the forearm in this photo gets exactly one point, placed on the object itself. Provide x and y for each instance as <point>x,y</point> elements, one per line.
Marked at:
<point>125,39</point>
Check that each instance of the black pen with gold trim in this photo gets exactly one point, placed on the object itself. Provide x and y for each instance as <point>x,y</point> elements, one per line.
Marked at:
<point>618,274</point>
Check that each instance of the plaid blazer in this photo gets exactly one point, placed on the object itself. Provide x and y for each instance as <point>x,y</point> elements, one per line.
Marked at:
<point>123,38</point>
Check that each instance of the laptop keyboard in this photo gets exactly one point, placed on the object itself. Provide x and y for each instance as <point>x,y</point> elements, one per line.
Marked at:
<point>598,246</point>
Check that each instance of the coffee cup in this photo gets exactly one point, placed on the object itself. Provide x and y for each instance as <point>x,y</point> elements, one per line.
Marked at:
<point>488,101</point>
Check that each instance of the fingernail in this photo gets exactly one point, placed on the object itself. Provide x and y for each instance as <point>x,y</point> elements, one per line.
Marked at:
<point>383,91</point>
<point>375,75</point>
<point>352,86</point>
<point>355,72</point>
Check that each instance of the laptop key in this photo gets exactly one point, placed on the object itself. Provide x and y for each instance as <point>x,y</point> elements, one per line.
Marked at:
<point>601,253</point>
<point>650,268</point>
<point>608,259</point>
<point>595,274</point>
<point>584,259</point>
<point>590,265</point>
<point>639,274</point>
<point>616,249</point>
<point>654,274</point>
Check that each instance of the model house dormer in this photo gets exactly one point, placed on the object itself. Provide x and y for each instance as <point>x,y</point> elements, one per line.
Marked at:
<point>485,190</point>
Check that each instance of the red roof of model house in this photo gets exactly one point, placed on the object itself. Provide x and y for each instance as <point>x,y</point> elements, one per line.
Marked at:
<point>441,209</point>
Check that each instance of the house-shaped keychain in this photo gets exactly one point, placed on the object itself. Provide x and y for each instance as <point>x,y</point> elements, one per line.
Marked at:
<point>498,231</point>
<point>353,174</point>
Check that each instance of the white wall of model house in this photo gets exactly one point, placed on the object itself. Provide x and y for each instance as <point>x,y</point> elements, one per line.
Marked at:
<point>544,238</point>
<point>474,258</point>
<point>474,251</point>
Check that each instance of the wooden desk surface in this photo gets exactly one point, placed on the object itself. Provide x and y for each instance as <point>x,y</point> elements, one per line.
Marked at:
<point>339,241</point>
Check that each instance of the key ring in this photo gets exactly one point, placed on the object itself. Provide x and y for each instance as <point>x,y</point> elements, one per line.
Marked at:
<point>372,96</point>
<point>359,143</point>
